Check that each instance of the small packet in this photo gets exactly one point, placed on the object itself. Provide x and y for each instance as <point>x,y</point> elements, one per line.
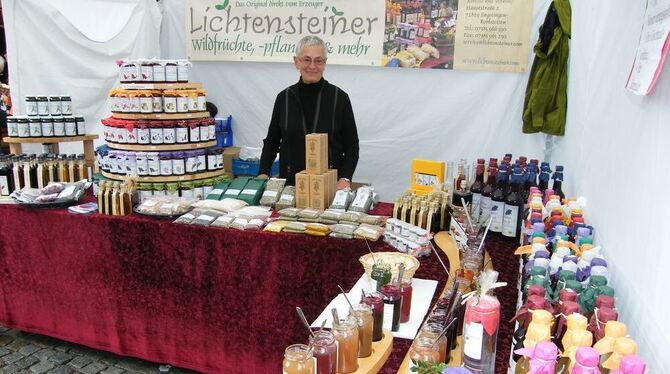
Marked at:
<point>289,212</point>
<point>340,235</point>
<point>309,213</point>
<point>272,192</point>
<point>342,199</point>
<point>365,231</point>
<point>275,226</point>
<point>286,199</point>
<point>345,229</point>
<point>185,219</point>
<point>223,221</point>
<point>363,200</point>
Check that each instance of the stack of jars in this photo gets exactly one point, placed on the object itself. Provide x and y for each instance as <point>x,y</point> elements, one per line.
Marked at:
<point>158,132</point>
<point>160,163</point>
<point>154,71</point>
<point>47,116</point>
<point>334,351</point>
<point>158,101</point>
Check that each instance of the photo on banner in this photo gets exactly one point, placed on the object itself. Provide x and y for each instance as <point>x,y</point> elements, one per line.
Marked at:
<point>491,35</point>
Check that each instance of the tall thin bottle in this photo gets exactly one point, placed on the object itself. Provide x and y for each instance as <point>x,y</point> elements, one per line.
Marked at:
<point>513,205</point>
<point>498,200</point>
<point>558,181</point>
<point>487,192</point>
<point>545,174</point>
<point>476,189</point>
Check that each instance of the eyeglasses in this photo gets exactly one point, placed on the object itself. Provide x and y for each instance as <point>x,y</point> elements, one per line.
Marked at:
<point>308,61</point>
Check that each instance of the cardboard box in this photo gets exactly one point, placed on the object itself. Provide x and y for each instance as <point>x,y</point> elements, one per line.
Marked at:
<point>426,174</point>
<point>318,191</point>
<point>316,153</point>
<point>302,190</point>
<point>332,185</point>
<point>228,155</point>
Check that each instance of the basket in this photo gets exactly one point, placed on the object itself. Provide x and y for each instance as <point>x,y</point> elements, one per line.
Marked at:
<point>393,259</point>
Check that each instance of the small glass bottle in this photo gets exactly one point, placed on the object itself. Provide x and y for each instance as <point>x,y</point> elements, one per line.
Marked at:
<point>298,359</point>
<point>325,351</point>
<point>392,306</point>
<point>346,333</point>
<point>363,314</point>
<point>376,301</point>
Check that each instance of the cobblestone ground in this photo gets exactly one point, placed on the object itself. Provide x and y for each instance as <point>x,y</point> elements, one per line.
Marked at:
<point>36,354</point>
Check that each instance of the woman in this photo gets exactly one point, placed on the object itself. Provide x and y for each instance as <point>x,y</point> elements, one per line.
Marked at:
<point>311,106</point>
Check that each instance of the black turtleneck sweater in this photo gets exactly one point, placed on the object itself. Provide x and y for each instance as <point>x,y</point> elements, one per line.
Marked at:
<point>303,109</point>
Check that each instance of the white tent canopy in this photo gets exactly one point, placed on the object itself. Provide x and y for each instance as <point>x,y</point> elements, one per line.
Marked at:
<point>614,149</point>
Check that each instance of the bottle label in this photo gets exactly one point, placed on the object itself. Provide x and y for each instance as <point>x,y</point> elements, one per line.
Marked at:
<point>497,208</point>
<point>476,205</point>
<point>510,219</point>
<point>388,316</point>
<point>4,186</point>
<point>473,335</point>
<point>486,210</point>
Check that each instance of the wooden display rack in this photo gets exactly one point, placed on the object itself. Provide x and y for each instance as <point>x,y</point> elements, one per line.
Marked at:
<point>89,152</point>
<point>446,244</point>
<point>161,147</point>
<point>381,351</point>
<point>159,116</point>
<point>160,86</point>
<point>172,178</point>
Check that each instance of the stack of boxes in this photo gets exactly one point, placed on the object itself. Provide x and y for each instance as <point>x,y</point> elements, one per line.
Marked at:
<point>315,187</point>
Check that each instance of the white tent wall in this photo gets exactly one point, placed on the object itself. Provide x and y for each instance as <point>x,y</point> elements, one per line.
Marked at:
<point>70,47</point>
<point>401,114</point>
<point>616,150</point>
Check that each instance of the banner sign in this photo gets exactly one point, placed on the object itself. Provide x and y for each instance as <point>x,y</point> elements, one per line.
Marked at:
<point>443,34</point>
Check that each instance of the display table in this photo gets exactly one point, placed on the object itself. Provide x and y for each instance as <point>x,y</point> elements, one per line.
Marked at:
<point>209,299</point>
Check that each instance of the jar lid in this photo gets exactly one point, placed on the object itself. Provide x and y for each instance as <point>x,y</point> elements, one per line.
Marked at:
<point>11,119</point>
<point>65,98</point>
<point>34,120</point>
<point>42,98</point>
<point>79,118</point>
<point>31,98</point>
<point>46,119</point>
<point>69,119</point>
<point>54,98</point>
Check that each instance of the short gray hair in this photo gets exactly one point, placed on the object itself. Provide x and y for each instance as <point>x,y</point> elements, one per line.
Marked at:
<point>311,41</point>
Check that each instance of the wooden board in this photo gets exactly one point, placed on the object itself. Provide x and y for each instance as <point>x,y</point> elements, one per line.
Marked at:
<point>172,178</point>
<point>49,140</point>
<point>163,147</point>
<point>447,245</point>
<point>381,351</point>
<point>159,116</point>
<point>159,86</point>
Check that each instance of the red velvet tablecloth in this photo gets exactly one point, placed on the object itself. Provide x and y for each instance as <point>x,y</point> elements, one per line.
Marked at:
<point>209,299</point>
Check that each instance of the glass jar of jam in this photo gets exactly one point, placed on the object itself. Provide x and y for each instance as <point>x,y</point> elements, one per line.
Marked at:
<point>142,163</point>
<point>182,102</point>
<point>157,101</point>
<point>47,124</point>
<point>178,163</point>
<point>192,100</point>
<point>204,130</point>
<point>22,127</point>
<point>194,131</point>
<point>346,333</point>
<point>423,350</point>
<point>146,191</point>
<point>134,102</point>
<point>171,72</point>
<point>211,126</point>
<point>153,163</point>
<point>165,163</point>
<point>212,162</point>
<point>202,159</point>
<point>219,158</point>
<point>298,359</point>
<point>156,131</point>
<point>169,101</point>
<point>131,130</point>
<point>159,189</point>
<point>169,132</point>
<point>146,101</point>
<point>121,132</point>
<point>131,163</point>
<point>406,291</point>
<point>432,331</point>
<point>325,351</point>
<point>191,162</point>
<point>159,72</point>
<point>376,301</point>
<point>363,314</point>
<point>186,190</point>
<point>202,100</point>
<point>183,68</point>
<point>31,105</point>
<point>207,186</point>
<point>35,127</point>
<point>54,106</point>
<point>124,101</point>
<point>182,132</point>
<point>143,132</point>
<point>199,190</point>
<point>147,71</point>
<point>172,189</point>
<point>392,306</point>
<point>134,71</point>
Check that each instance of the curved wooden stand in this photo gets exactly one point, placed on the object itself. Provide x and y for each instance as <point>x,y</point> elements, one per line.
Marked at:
<point>381,351</point>
<point>447,245</point>
<point>159,116</point>
<point>172,178</point>
<point>161,147</point>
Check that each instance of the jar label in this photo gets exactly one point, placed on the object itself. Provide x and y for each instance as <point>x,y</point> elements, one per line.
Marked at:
<point>497,208</point>
<point>170,104</point>
<point>31,108</point>
<point>4,186</point>
<point>388,316</point>
<point>182,135</point>
<point>55,108</point>
<point>473,335</point>
<point>157,103</point>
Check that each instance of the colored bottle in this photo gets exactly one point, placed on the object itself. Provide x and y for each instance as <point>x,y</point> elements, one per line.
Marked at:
<point>513,205</point>
<point>545,174</point>
<point>498,200</point>
<point>476,189</point>
<point>6,176</point>
<point>487,192</point>
<point>558,181</point>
